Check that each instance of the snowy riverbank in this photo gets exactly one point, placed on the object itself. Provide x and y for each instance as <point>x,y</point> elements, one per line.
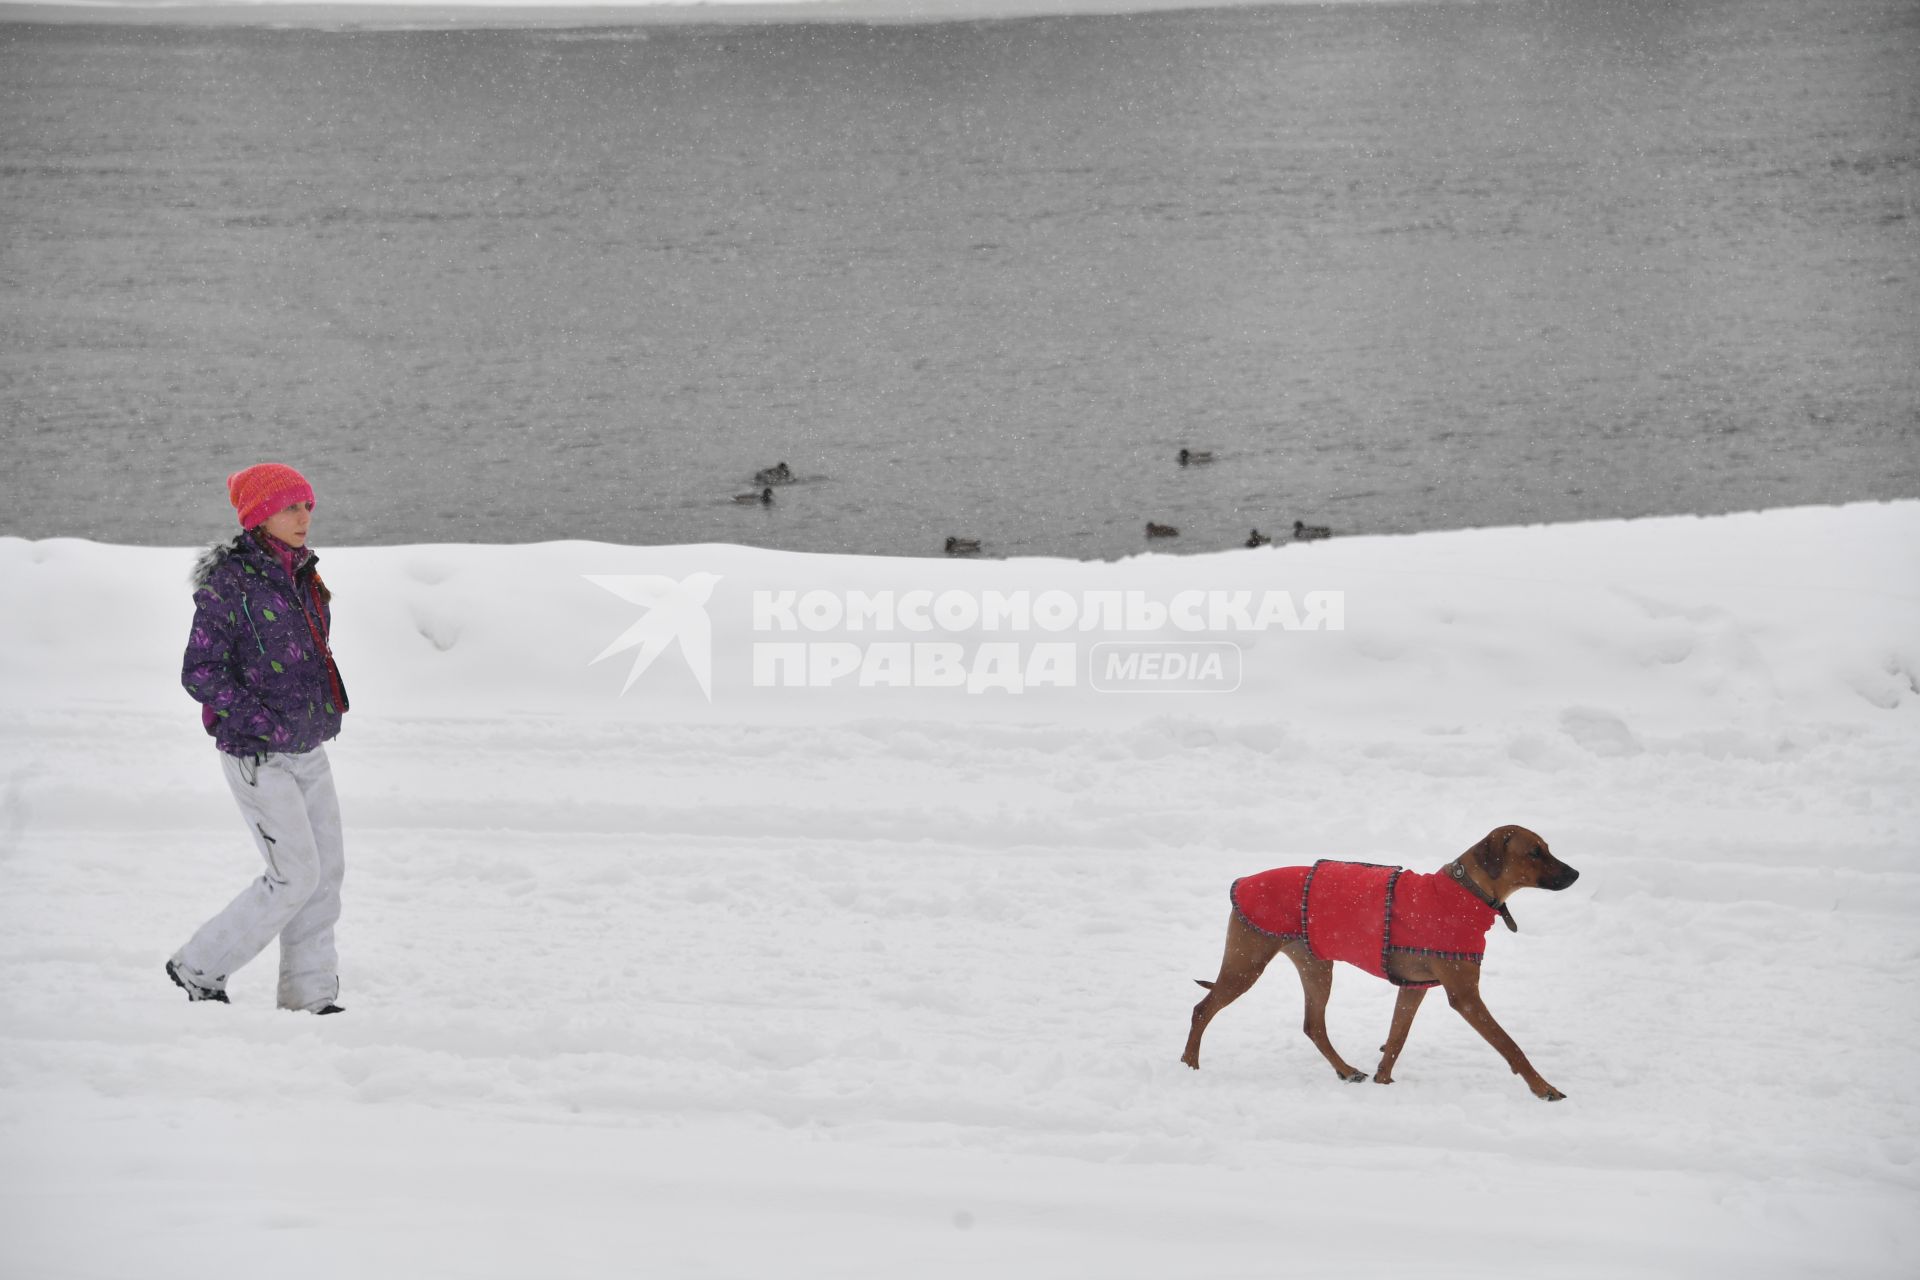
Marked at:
<point>838,979</point>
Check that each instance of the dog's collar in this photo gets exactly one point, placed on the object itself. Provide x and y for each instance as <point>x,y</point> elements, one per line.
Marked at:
<point>1458,871</point>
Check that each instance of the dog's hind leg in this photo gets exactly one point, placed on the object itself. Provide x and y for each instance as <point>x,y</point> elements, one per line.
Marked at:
<point>1404,1008</point>
<point>1316,981</point>
<point>1247,953</point>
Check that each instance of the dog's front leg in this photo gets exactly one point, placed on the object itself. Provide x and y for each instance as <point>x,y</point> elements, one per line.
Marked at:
<point>1404,1008</point>
<point>1462,983</point>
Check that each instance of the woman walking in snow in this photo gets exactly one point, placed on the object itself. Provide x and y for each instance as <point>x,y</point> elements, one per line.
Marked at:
<point>257,661</point>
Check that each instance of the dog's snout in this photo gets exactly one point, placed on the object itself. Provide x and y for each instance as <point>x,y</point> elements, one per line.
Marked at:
<point>1561,878</point>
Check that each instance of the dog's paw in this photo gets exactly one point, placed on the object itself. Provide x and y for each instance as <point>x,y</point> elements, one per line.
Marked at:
<point>1358,1077</point>
<point>1551,1095</point>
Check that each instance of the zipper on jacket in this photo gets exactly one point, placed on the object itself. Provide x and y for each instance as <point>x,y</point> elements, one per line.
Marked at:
<point>256,630</point>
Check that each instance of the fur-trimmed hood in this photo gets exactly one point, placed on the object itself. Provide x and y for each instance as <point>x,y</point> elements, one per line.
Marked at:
<point>210,557</point>
<point>246,544</point>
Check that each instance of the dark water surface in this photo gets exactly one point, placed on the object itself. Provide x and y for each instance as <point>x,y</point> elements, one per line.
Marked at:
<point>1400,268</point>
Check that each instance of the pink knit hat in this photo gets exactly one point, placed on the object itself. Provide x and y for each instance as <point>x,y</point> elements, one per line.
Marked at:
<point>260,491</point>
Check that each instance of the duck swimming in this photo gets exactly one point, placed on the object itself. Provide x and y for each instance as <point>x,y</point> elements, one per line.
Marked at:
<point>779,473</point>
<point>1161,530</point>
<point>1310,532</point>
<point>1195,458</point>
<point>1258,539</point>
<point>763,498</point>
<point>962,546</point>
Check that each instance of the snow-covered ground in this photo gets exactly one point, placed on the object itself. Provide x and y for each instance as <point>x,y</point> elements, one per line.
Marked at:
<point>856,980</point>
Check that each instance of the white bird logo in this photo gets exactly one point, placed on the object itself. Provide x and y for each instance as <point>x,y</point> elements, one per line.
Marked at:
<point>675,611</point>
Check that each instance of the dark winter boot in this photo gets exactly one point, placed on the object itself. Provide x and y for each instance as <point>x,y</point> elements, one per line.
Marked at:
<point>193,989</point>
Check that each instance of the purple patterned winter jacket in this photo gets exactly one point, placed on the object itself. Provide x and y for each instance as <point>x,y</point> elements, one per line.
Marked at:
<point>257,659</point>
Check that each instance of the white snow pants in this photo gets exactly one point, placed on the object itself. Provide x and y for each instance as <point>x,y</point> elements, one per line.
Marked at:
<point>289,804</point>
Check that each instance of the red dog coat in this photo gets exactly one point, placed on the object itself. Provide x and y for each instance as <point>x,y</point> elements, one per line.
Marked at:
<point>1361,913</point>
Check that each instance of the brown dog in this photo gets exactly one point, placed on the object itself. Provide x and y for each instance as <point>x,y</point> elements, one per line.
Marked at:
<point>1508,859</point>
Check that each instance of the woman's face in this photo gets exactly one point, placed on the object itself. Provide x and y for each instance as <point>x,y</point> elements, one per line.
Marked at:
<point>290,525</point>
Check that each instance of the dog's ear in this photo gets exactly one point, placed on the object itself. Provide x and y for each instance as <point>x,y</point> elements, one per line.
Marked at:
<point>1492,852</point>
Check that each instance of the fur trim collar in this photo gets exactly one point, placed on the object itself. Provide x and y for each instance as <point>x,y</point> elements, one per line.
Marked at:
<point>211,558</point>
<point>242,544</point>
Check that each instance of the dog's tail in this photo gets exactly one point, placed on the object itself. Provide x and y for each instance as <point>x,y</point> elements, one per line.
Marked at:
<point>1203,982</point>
